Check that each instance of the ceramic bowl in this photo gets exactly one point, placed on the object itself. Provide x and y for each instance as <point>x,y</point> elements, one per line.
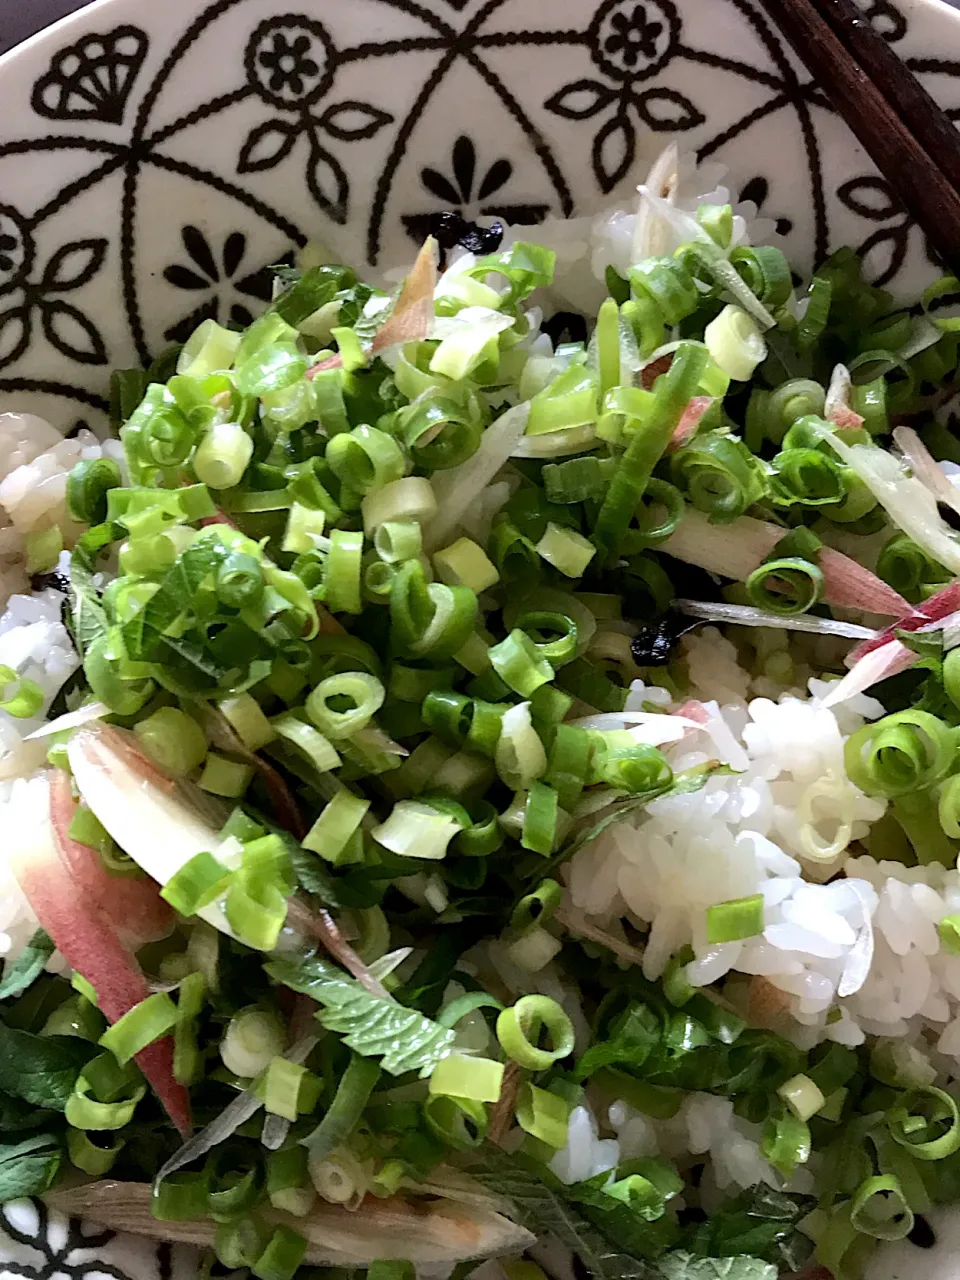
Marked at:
<point>156,158</point>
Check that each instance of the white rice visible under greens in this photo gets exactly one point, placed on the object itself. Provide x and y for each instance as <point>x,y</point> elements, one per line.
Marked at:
<point>753,974</point>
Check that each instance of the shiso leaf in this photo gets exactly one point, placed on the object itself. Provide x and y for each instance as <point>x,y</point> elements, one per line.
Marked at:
<point>684,1266</point>
<point>28,966</point>
<point>542,1204</point>
<point>370,1025</point>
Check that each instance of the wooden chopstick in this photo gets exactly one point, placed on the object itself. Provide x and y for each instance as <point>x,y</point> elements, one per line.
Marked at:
<point>901,128</point>
<point>917,109</point>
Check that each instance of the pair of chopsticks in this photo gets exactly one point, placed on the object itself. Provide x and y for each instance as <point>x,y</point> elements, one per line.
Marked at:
<point>910,140</point>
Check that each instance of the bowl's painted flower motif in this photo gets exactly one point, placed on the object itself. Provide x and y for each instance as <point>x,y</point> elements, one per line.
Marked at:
<point>290,61</point>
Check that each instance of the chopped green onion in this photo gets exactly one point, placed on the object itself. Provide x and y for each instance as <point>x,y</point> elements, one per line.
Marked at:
<point>465,564</point>
<point>239,1244</point>
<point>461,1123</point>
<point>540,819</point>
<point>392,1269</point>
<point>735,342</point>
<point>251,1042</point>
<point>196,884</point>
<point>398,540</point>
<point>363,694</point>
<point>519,1031</point>
<point>802,1096</point>
<point>949,931</point>
<point>342,594</point>
<point>788,586</point>
<point>478,1079</point>
<point>785,1142</point>
<point>903,753</point>
<point>26,701</point>
<point>402,501</point>
<point>246,717</point>
<point>343,1115</point>
<point>209,349</point>
<point>417,830</point>
<point>535,909</point>
<point>544,1115</point>
<point>105,1078</point>
<point>173,739</point>
<point>255,912</point>
<point>520,757</point>
<point>282,1257</point>
<point>331,834</point>
<point>180,1197</point>
<point>92,1157</point>
<point>566,550</point>
<point>289,1089</point>
<point>87,828</point>
<point>223,777</point>
<point>146,1022</point>
<point>308,743</point>
<point>222,455</point>
<point>926,1121</point>
<point>879,1209</point>
<point>288,1181</point>
<point>520,664</point>
<point>735,920</point>
<point>365,459</point>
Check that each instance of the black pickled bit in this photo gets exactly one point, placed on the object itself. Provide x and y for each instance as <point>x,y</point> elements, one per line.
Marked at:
<point>565,326</point>
<point>451,229</point>
<point>653,645</point>
<point>57,581</point>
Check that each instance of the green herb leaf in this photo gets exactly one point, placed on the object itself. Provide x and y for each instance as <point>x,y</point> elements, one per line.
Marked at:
<point>17,1116</point>
<point>86,612</point>
<point>543,1205</point>
<point>28,965</point>
<point>29,1167</point>
<point>684,1266</point>
<point>310,872</point>
<point>629,1228</point>
<point>41,1069</point>
<point>143,633</point>
<point>760,1222</point>
<point>370,1025</point>
<point>682,784</point>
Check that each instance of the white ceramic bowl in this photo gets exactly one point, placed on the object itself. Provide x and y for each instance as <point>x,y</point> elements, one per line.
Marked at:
<point>157,155</point>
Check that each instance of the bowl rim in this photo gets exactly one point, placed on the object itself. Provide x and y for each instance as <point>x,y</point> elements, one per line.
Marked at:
<point>90,11</point>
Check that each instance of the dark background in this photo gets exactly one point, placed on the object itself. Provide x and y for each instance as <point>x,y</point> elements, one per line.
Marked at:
<point>21,18</point>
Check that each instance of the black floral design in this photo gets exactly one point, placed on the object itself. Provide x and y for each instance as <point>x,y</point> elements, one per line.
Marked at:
<point>40,1244</point>
<point>290,60</point>
<point>269,143</point>
<point>301,149</point>
<point>16,248</point>
<point>92,79</point>
<point>663,110</point>
<point>757,190</point>
<point>885,19</point>
<point>630,40</point>
<point>633,39</point>
<point>215,275</point>
<point>461,193</point>
<point>885,249</point>
<point>290,63</point>
<point>68,329</point>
